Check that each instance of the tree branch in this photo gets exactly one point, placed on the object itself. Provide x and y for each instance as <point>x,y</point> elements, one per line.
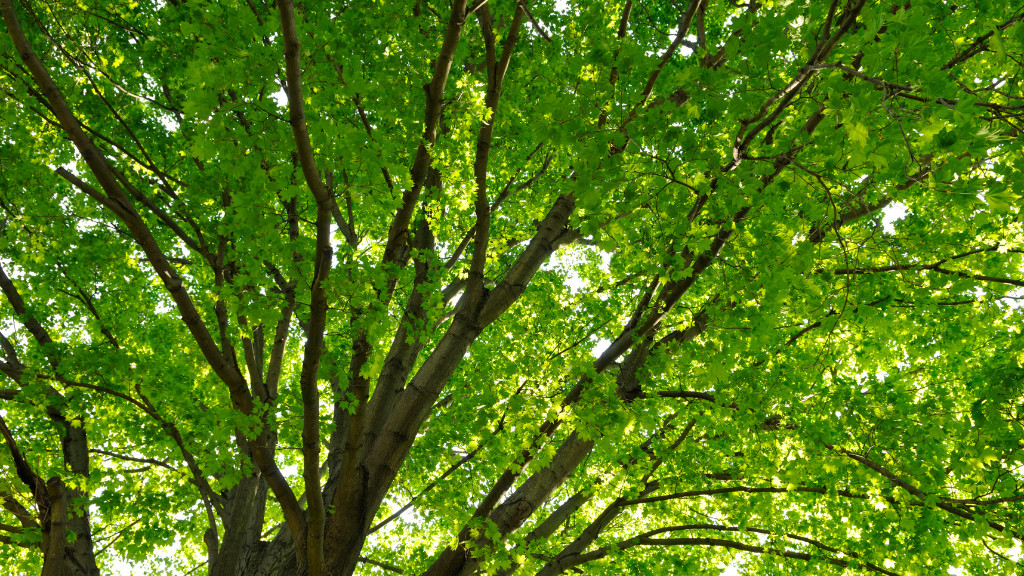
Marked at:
<point>117,201</point>
<point>496,70</point>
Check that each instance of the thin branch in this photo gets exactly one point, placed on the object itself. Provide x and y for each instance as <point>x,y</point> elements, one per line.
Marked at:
<point>680,36</point>
<point>379,564</point>
<point>979,45</point>
<point>935,267</point>
<point>451,469</point>
<point>562,564</point>
<point>537,27</point>
<point>128,458</point>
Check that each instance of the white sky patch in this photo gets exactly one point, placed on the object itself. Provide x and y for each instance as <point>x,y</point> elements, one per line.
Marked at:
<point>567,262</point>
<point>731,570</point>
<point>118,567</point>
<point>575,283</point>
<point>169,122</point>
<point>1014,299</point>
<point>685,50</point>
<point>281,98</point>
<point>891,214</point>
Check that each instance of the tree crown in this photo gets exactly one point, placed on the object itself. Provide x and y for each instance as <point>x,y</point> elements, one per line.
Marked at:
<point>511,287</point>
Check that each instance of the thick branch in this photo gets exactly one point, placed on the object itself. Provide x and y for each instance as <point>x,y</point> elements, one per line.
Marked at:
<point>118,201</point>
<point>25,472</point>
<point>496,71</point>
<point>680,36</point>
<point>782,99</point>
<point>296,106</point>
<point>308,378</point>
<point>399,230</point>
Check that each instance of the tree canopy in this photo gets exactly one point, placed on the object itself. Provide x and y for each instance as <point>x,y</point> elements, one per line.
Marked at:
<point>511,287</point>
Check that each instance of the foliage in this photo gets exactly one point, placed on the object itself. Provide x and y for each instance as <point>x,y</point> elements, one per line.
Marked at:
<point>511,287</point>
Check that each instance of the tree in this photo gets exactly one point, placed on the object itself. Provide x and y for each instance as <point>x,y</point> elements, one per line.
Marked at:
<point>511,287</point>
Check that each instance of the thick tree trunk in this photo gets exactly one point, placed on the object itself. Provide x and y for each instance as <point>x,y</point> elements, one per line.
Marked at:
<point>242,527</point>
<point>80,556</point>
